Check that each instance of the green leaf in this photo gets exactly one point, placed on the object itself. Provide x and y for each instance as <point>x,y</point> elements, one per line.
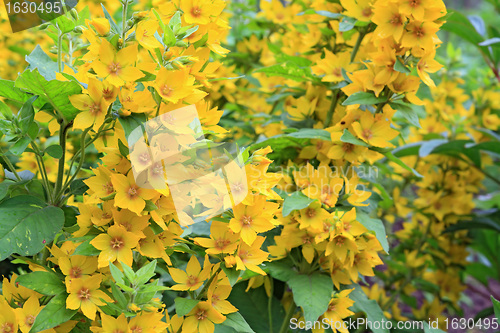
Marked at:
<point>364,98</point>
<point>123,148</point>
<point>184,305</point>
<point>54,92</point>
<point>407,112</point>
<point>496,307</point>
<point>290,70</point>
<point>27,114</point>
<point>375,225</point>
<point>311,133</point>
<point>45,283</point>
<point>347,24</point>
<point>12,93</point>
<point>28,224</point>
<point>396,160</point>
<point>401,67</point>
<point>349,138</point>
<point>86,249</point>
<point>130,123</point>
<point>45,65</point>
<point>370,307</point>
<point>65,24</point>
<point>5,187</point>
<point>232,274</point>
<point>253,306</point>
<point>312,292</point>
<point>428,146</point>
<point>236,321</point>
<point>145,273</point>
<point>53,314</point>
<point>54,151</point>
<point>295,201</point>
<point>78,186</point>
<point>281,270</point>
<point>116,273</point>
<point>20,145</point>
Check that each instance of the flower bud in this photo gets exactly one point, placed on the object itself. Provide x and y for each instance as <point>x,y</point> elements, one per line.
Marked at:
<point>101,25</point>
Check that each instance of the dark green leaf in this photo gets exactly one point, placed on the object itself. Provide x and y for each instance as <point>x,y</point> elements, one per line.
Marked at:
<point>28,224</point>
<point>54,151</point>
<point>407,112</point>
<point>20,145</point>
<point>86,249</point>
<point>232,274</point>
<point>78,187</point>
<point>27,114</point>
<point>375,225</point>
<point>53,314</point>
<point>496,307</point>
<point>400,67</point>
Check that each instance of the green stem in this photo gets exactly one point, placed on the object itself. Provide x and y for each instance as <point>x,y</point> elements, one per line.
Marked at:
<point>362,34</point>
<point>333,106</point>
<point>43,172</point>
<point>60,171</point>
<point>288,317</point>
<point>9,164</point>
<point>59,51</point>
<point>124,21</point>
<point>208,283</point>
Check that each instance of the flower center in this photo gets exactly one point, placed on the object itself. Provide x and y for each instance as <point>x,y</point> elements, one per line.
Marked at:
<point>396,19</point>
<point>340,241</point>
<point>347,147</point>
<point>196,11</point>
<point>7,328</point>
<point>116,243</point>
<point>136,329</point>
<point>367,12</point>
<point>192,280</point>
<point>75,272</point>
<point>84,294</point>
<point>166,90</point>
<point>419,32</point>
<point>107,93</point>
<point>30,319</point>
<point>144,158</point>
<point>108,188</point>
<point>95,108</point>
<point>221,243</point>
<point>132,191</point>
<point>414,3</point>
<point>367,134</point>
<point>201,315</point>
<point>246,220</point>
<point>114,68</point>
<point>311,213</point>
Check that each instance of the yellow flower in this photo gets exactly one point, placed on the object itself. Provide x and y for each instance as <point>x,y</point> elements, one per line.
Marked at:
<point>116,244</point>
<point>112,325</point>
<point>377,133</point>
<point>221,240</point>
<point>27,314</point>
<point>331,66</point>
<point>100,24</point>
<point>8,322</point>
<point>338,308</point>
<point>252,219</point>
<point>129,195</point>
<point>77,266</point>
<point>174,85</point>
<point>193,277</point>
<point>84,294</point>
<point>250,257</point>
<point>427,64</point>
<point>200,11</point>
<point>148,322</point>
<point>217,294</point>
<point>420,35</point>
<point>201,319</point>
<point>93,105</point>
<point>389,21</point>
<point>145,34</point>
<point>359,9</point>
<point>117,67</point>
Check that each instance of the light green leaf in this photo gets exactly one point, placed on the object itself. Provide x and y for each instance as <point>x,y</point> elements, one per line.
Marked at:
<point>45,283</point>
<point>184,305</point>
<point>236,321</point>
<point>54,151</point>
<point>496,307</point>
<point>375,225</point>
<point>370,307</point>
<point>40,60</point>
<point>312,292</point>
<point>295,201</point>
<point>364,98</point>
<point>407,112</point>
<point>54,92</point>
<point>349,138</point>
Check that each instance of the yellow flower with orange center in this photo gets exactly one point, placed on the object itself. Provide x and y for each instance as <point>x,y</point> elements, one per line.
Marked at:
<point>94,106</point>
<point>116,244</point>
<point>112,325</point>
<point>84,294</point>
<point>202,319</point>
<point>27,314</point>
<point>193,277</point>
<point>129,195</point>
<point>117,67</point>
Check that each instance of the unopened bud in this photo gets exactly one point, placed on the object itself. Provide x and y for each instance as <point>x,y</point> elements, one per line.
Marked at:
<point>79,29</point>
<point>74,14</point>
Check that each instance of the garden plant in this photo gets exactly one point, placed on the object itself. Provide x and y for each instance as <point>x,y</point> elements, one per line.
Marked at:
<point>368,185</point>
